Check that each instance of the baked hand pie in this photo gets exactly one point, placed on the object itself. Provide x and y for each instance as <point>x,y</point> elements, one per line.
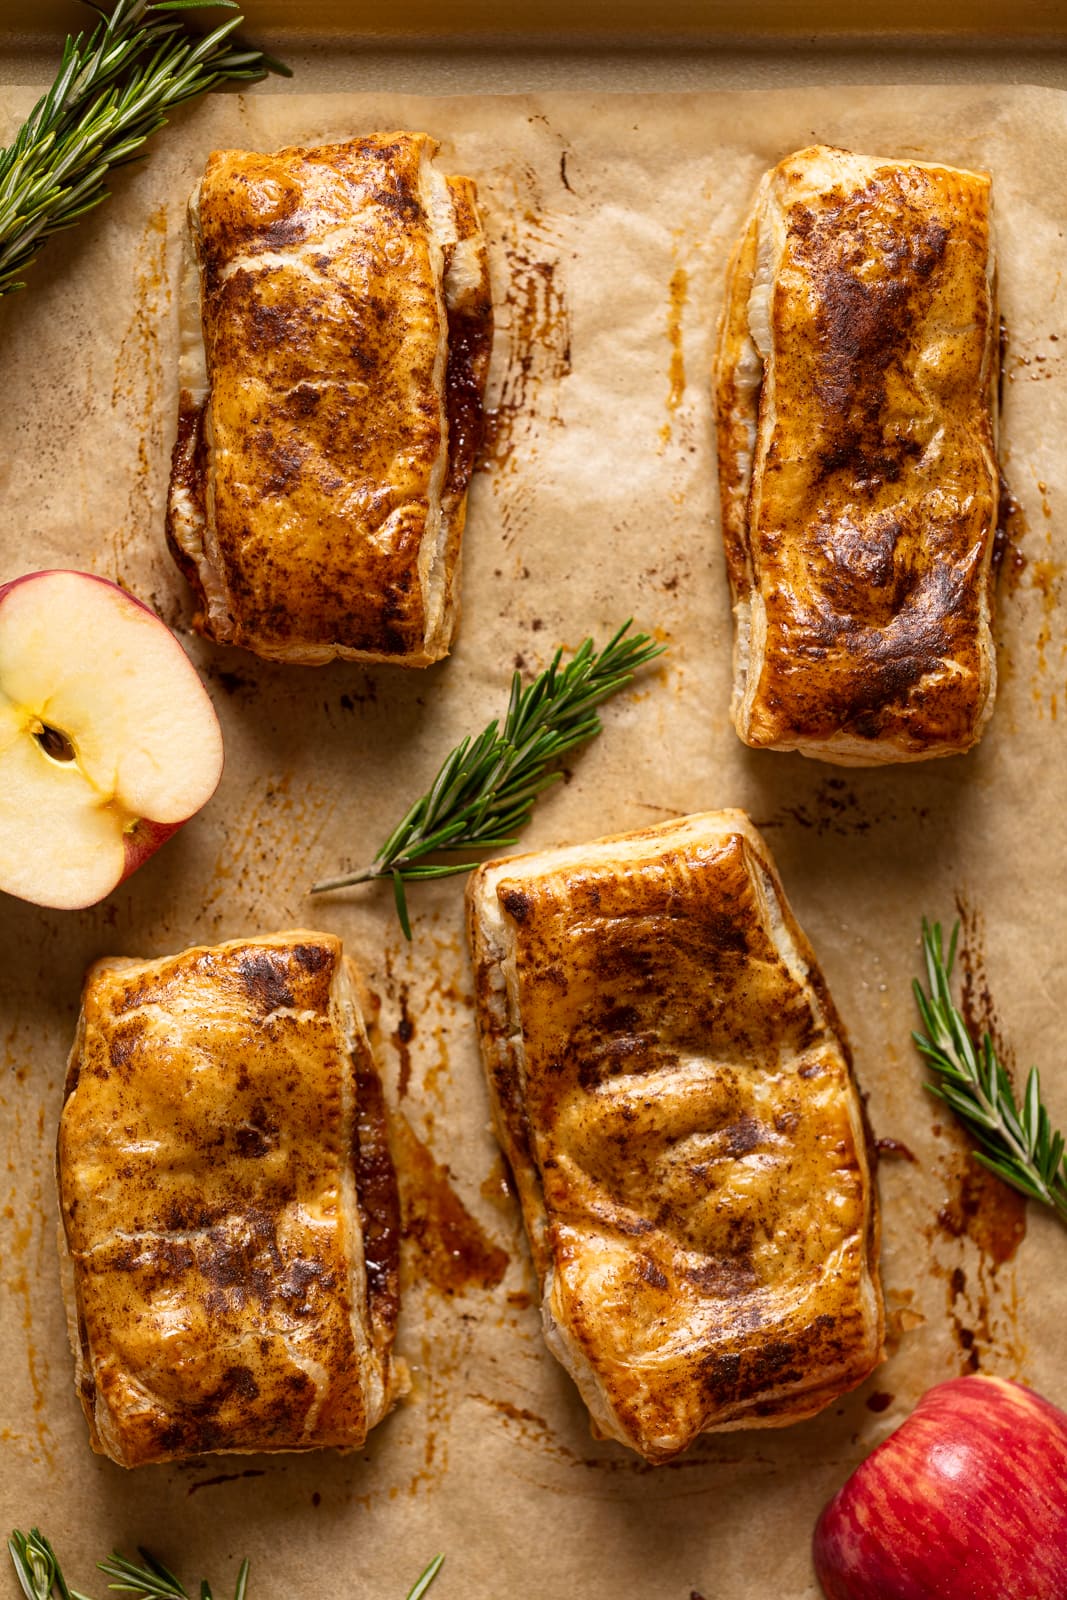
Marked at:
<point>228,1204</point>
<point>673,1090</point>
<point>336,327</point>
<point>857,381</point>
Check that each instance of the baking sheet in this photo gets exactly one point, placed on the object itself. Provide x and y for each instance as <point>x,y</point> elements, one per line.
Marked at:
<point>610,220</point>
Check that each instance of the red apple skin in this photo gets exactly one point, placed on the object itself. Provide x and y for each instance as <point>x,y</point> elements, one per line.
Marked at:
<point>143,841</point>
<point>47,572</point>
<point>967,1500</point>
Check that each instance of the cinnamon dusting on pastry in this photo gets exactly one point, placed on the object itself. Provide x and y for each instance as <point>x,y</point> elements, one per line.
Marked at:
<point>857,394</point>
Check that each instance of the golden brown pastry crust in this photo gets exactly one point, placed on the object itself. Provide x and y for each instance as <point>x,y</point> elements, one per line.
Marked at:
<point>672,1088</point>
<point>337,327</point>
<point>228,1204</point>
<point>857,396</point>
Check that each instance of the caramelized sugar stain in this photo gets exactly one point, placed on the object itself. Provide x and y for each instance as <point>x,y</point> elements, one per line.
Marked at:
<point>976,999</point>
<point>27,1261</point>
<point>533,329</point>
<point>1043,576</point>
<point>981,1221</point>
<point>226,1477</point>
<point>269,852</point>
<point>986,1211</point>
<point>137,385</point>
<point>1009,560</point>
<point>678,291</point>
<point>447,1246</point>
<point>901,1318</point>
<point>498,1188</point>
<point>894,1149</point>
<point>1045,579</point>
<point>434,1390</point>
<point>834,807</point>
<point>442,996</point>
<point>400,1039</point>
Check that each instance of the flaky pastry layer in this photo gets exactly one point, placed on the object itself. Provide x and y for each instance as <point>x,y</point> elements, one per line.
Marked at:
<point>336,327</point>
<point>228,1204</point>
<point>857,409</point>
<point>673,1091</point>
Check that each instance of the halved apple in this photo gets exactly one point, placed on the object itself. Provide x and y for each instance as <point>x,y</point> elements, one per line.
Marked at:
<point>108,740</point>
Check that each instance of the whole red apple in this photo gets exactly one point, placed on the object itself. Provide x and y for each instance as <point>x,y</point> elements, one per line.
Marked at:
<point>108,740</point>
<point>966,1500</point>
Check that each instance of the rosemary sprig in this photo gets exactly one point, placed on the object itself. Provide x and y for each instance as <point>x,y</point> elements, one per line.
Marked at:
<point>38,1571</point>
<point>154,1581</point>
<point>485,789</point>
<point>109,96</point>
<point>1018,1142</point>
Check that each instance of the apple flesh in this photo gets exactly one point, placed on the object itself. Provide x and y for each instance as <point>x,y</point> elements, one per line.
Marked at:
<point>108,740</point>
<point>967,1500</point>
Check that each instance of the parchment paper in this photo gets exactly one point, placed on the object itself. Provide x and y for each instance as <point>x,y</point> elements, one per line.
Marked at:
<point>610,220</point>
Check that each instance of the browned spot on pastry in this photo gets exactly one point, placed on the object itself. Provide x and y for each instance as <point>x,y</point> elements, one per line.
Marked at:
<point>515,903</point>
<point>265,976</point>
<point>124,1042</point>
<point>312,957</point>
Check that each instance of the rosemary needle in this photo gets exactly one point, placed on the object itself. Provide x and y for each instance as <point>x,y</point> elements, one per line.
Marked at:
<point>1017,1140</point>
<point>485,789</point>
<point>424,1581</point>
<point>110,94</point>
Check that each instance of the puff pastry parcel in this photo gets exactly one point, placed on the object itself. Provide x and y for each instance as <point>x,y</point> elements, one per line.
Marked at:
<point>228,1204</point>
<point>857,405</point>
<point>673,1090</point>
<point>335,343</point>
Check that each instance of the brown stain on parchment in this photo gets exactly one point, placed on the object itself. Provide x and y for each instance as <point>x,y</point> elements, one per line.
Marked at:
<point>137,386</point>
<point>1035,574</point>
<point>400,1039</point>
<point>976,998</point>
<point>269,851</point>
<point>226,1477</point>
<point>981,1221</point>
<point>1009,558</point>
<point>533,330</point>
<point>27,1263</point>
<point>446,1245</point>
<point>834,807</point>
<point>1045,576</point>
<point>708,1454</point>
<point>901,1318</point>
<point>678,291</point>
<point>423,1049</point>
